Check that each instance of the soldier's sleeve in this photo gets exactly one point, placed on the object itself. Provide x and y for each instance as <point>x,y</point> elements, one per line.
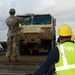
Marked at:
<point>27,19</point>
<point>20,19</point>
<point>24,20</point>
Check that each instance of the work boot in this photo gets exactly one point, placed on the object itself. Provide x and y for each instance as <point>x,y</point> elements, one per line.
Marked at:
<point>15,58</point>
<point>8,58</point>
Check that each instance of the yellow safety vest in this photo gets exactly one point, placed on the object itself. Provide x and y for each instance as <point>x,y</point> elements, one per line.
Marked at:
<point>66,64</point>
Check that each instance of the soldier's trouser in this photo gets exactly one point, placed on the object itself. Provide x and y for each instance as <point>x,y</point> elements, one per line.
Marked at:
<point>12,45</point>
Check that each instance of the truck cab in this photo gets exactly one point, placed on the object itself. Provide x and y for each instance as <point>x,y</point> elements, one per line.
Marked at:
<point>38,34</point>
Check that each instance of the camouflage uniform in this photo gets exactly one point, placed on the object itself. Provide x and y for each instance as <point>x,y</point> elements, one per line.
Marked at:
<point>13,33</point>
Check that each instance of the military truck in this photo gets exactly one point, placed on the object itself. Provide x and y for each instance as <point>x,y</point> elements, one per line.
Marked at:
<point>38,34</point>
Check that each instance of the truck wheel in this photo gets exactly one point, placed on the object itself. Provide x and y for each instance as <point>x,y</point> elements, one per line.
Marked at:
<point>23,49</point>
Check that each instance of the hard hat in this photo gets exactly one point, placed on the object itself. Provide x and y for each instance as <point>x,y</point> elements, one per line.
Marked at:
<point>20,26</point>
<point>72,37</point>
<point>12,11</point>
<point>64,30</point>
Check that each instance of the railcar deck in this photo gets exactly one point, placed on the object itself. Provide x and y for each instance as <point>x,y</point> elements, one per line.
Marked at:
<point>27,64</point>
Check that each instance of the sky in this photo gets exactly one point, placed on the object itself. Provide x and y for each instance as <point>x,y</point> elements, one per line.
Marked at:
<point>62,10</point>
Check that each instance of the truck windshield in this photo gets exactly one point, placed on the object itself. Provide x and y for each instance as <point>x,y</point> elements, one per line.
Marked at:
<point>38,19</point>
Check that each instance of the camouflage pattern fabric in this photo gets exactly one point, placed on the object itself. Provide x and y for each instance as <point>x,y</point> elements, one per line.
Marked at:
<point>12,47</point>
<point>13,35</point>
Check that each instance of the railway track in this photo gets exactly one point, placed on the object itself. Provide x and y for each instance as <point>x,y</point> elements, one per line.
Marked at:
<point>27,64</point>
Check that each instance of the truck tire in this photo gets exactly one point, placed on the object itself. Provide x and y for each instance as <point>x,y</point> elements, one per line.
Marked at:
<point>23,49</point>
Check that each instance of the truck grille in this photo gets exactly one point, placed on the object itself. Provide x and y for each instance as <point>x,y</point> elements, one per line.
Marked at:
<point>32,37</point>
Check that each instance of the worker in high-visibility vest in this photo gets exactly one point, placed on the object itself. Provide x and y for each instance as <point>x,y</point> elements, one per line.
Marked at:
<point>66,64</point>
<point>62,55</point>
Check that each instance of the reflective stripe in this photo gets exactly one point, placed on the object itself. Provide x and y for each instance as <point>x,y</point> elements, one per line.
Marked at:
<point>63,55</point>
<point>65,67</point>
<point>65,64</point>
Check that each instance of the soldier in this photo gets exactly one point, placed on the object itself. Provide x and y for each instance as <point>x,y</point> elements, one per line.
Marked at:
<point>13,34</point>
